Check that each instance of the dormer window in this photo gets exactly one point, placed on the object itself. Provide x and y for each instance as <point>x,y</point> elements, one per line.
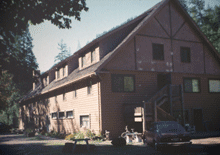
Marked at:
<point>92,56</point>
<point>83,60</point>
<point>62,72</point>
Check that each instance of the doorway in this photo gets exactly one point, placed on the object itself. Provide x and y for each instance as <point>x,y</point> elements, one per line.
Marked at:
<point>198,119</point>
<point>162,80</point>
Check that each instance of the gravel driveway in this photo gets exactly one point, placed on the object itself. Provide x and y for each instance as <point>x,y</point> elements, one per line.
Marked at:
<point>19,144</point>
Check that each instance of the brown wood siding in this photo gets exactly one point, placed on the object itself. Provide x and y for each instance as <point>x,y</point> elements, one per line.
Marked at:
<point>83,104</point>
<point>112,102</point>
<point>208,102</point>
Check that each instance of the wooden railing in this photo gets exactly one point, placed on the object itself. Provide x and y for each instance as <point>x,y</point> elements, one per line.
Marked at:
<point>164,115</point>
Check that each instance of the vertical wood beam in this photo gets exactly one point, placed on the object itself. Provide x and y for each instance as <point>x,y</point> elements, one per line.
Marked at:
<point>171,38</point>
<point>135,54</point>
<point>182,105</point>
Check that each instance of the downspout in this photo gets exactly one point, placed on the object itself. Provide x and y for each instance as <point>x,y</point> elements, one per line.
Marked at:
<point>99,102</point>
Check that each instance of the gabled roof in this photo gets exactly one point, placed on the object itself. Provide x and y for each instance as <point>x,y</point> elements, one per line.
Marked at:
<point>94,69</point>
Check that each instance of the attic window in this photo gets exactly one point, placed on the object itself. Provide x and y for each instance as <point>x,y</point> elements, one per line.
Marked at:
<point>92,56</point>
<point>83,60</point>
<point>158,51</point>
<point>185,54</point>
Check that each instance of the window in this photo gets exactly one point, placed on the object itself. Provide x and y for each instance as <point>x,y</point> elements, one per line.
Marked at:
<point>122,83</point>
<point>64,71</point>
<point>58,74</point>
<point>54,115</point>
<point>61,115</point>
<point>214,86</point>
<point>83,60</point>
<point>55,99</point>
<point>69,114</point>
<point>191,85</point>
<point>92,56</point>
<point>158,51</point>
<point>84,121</point>
<point>64,96</point>
<point>185,54</point>
<point>74,93</point>
<point>89,88</point>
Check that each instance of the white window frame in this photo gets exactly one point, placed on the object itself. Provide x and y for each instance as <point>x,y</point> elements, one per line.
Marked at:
<point>64,116</point>
<point>52,115</point>
<point>70,111</point>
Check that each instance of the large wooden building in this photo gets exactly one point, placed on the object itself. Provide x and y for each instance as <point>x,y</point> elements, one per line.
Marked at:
<point>111,82</point>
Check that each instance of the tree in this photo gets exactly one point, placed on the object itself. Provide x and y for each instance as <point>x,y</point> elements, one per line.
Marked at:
<point>208,19</point>
<point>64,53</point>
<point>15,15</point>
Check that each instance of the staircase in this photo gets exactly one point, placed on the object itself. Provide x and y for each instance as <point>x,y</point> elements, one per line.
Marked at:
<point>159,106</point>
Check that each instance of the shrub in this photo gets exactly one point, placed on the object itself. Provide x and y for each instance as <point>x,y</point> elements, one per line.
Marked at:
<point>89,134</point>
<point>79,135</point>
<point>70,137</point>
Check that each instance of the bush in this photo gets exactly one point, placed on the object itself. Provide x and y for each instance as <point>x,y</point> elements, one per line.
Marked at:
<point>118,142</point>
<point>70,137</point>
<point>79,135</point>
<point>89,134</point>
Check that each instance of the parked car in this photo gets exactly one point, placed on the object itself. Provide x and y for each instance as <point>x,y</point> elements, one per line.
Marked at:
<point>166,133</point>
<point>4,128</point>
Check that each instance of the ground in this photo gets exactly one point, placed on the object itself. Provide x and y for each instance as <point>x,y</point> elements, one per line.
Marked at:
<point>19,144</point>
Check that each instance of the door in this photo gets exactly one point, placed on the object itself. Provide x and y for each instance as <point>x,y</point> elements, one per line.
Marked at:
<point>198,119</point>
<point>162,80</point>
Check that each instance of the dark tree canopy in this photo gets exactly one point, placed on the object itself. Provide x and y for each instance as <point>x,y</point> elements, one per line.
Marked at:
<point>16,14</point>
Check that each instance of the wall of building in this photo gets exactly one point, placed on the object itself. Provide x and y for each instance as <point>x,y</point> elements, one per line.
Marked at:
<point>83,104</point>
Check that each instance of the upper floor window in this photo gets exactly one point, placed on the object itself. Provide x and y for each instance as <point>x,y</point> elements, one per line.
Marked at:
<point>191,85</point>
<point>214,86</point>
<point>64,96</point>
<point>122,83</point>
<point>64,71</point>
<point>55,99</point>
<point>89,87</point>
<point>158,51</point>
<point>58,74</point>
<point>74,93</point>
<point>93,56</point>
<point>83,60</point>
<point>185,54</point>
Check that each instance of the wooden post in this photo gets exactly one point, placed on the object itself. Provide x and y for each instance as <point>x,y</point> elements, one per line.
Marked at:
<point>155,111</point>
<point>170,99</point>
<point>182,105</point>
<point>144,116</point>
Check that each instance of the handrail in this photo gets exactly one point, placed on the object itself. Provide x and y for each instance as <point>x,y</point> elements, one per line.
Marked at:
<point>164,89</point>
<point>165,114</point>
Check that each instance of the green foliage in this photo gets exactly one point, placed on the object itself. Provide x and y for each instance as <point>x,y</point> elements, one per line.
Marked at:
<point>64,53</point>
<point>89,134</point>
<point>70,137</point>
<point>79,135</point>
<point>208,19</point>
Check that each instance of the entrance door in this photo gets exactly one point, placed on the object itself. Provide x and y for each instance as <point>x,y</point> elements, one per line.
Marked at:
<point>198,119</point>
<point>162,80</point>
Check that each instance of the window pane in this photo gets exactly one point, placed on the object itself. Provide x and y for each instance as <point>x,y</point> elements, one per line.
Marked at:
<point>61,114</point>
<point>214,86</point>
<point>54,115</point>
<point>128,84</point>
<point>188,85</point>
<point>158,51</point>
<point>195,85</point>
<point>69,114</point>
<point>117,83</point>
<point>84,121</point>
<point>185,54</point>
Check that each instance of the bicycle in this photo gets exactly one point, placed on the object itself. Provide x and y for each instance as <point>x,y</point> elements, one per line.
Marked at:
<point>124,134</point>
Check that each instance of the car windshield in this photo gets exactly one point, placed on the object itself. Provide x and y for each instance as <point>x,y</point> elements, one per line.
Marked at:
<point>170,127</point>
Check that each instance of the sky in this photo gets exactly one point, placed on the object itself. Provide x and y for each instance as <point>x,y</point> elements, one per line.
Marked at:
<point>102,16</point>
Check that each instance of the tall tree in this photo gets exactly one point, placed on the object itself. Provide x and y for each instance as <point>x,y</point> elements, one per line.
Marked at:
<point>64,53</point>
<point>208,19</point>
